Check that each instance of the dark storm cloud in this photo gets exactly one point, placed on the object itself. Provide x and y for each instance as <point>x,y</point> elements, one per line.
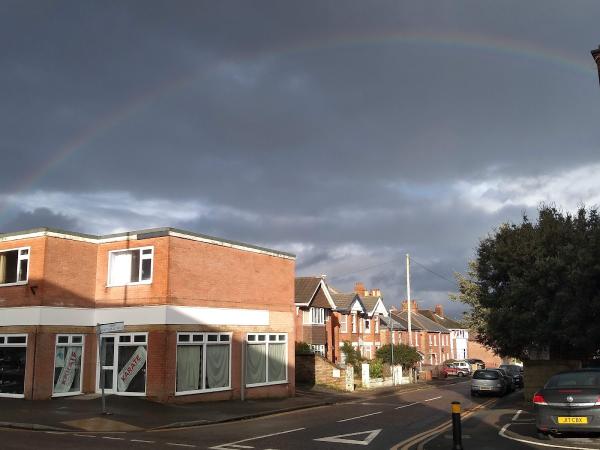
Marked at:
<point>40,217</point>
<point>296,124</point>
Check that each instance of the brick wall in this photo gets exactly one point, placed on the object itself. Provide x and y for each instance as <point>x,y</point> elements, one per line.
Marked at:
<point>478,351</point>
<point>314,369</point>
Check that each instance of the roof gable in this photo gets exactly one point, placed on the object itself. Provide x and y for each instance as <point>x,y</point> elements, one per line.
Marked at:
<point>309,289</point>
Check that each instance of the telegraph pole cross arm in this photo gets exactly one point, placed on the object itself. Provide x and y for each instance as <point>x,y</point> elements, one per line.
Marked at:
<point>596,55</point>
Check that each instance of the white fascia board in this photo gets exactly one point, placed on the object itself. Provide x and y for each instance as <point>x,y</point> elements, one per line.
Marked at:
<point>379,308</point>
<point>133,315</point>
<point>327,294</point>
<point>357,305</point>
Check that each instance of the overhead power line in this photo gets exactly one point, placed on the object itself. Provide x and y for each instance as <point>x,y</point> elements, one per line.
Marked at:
<point>433,272</point>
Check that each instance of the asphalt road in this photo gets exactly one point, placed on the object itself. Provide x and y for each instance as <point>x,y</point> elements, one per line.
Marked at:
<point>374,422</point>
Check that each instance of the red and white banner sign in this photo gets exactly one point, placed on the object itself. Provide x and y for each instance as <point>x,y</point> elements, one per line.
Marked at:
<point>72,362</point>
<point>131,369</point>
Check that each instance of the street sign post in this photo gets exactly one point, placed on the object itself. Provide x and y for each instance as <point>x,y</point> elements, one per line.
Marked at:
<point>104,328</point>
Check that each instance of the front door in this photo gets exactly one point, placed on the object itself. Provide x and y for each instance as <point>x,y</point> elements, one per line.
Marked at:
<point>124,364</point>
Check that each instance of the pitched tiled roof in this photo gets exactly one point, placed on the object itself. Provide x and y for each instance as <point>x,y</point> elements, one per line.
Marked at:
<point>369,301</point>
<point>305,288</point>
<point>419,322</point>
<point>388,322</point>
<point>443,321</point>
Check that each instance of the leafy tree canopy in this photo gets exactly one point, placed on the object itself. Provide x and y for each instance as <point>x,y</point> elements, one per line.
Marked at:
<point>537,286</point>
<point>403,354</point>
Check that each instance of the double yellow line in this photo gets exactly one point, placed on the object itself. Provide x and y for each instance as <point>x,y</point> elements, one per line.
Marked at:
<point>406,444</point>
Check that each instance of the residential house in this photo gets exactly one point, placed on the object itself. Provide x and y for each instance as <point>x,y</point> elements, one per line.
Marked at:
<point>370,322</point>
<point>198,312</point>
<point>431,339</point>
<point>459,335</point>
<point>314,325</point>
<point>347,322</point>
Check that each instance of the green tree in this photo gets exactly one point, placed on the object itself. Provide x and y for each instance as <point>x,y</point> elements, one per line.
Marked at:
<point>403,354</point>
<point>353,356</point>
<point>537,285</point>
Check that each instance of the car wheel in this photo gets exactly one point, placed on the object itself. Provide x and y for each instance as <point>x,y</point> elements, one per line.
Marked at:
<point>460,374</point>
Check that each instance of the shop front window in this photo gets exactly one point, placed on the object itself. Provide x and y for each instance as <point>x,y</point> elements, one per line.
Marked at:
<point>13,352</point>
<point>67,364</point>
<point>203,362</point>
<point>266,359</point>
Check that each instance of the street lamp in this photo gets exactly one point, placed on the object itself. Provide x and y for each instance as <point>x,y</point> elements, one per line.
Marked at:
<point>596,56</point>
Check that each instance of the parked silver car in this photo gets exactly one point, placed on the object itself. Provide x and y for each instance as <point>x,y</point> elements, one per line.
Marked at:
<point>488,381</point>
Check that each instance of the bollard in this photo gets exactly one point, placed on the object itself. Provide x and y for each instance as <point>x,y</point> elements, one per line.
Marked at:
<point>456,428</point>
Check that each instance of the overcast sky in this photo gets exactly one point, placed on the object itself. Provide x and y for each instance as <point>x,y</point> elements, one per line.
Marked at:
<point>347,132</point>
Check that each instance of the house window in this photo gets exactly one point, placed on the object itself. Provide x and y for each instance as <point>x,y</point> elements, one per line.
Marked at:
<point>266,359</point>
<point>376,324</point>
<point>132,266</point>
<point>317,316</point>
<point>67,364</point>
<point>14,266</point>
<point>318,349</point>
<point>354,322</point>
<point>367,325</point>
<point>13,351</point>
<point>203,362</point>
<point>343,323</point>
<point>367,351</point>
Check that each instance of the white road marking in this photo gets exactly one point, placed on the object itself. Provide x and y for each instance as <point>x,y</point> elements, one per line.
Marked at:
<point>231,445</point>
<point>432,399</point>
<point>360,417</point>
<point>53,432</point>
<point>113,438</point>
<point>503,434</point>
<point>142,441</point>
<point>174,444</point>
<point>343,438</point>
<point>516,416</point>
<point>406,406</point>
<point>85,435</point>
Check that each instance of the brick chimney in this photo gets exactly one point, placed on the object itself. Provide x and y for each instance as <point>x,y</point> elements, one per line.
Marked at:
<point>413,307</point>
<point>439,310</point>
<point>359,288</point>
<point>376,292</point>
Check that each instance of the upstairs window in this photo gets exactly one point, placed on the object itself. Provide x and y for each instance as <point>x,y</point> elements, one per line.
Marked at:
<point>130,266</point>
<point>344,323</point>
<point>367,325</point>
<point>317,316</point>
<point>14,266</point>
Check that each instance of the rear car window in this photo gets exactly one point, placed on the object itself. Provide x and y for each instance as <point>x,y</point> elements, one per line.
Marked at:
<point>574,379</point>
<point>486,375</point>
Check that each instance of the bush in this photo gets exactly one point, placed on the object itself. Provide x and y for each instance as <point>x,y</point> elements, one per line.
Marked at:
<point>302,348</point>
<point>376,368</point>
<point>403,354</point>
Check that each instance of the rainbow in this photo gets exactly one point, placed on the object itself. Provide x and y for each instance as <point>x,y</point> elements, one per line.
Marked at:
<point>136,104</point>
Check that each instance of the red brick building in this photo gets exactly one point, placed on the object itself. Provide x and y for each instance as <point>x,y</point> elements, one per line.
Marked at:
<point>205,318</point>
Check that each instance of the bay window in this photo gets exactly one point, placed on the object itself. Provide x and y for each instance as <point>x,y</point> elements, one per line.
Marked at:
<point>317,316</point>
<point>266,359</point>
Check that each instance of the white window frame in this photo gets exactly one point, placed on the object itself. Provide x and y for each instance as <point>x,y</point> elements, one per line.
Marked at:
<point>19,259</point>
<point>71,344</point>
<point>344,323</point>
<point>205,342</point>
<point>267,342</point>
<point>318,349</point>
<point>4,343</point>
<point>117,345</point>
<point>367,323</point>
<point>354,319</point>
<point>317,316</point>
<point>109,282</point>
<point>376,319</point>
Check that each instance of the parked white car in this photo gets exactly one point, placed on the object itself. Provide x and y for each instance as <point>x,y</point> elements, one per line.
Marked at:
<point>462,365</point>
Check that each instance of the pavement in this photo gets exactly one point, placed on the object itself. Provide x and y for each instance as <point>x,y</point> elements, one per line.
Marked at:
<point>134,414</point>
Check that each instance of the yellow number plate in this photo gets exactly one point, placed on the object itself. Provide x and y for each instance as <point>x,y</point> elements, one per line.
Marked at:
<point>573,420</point>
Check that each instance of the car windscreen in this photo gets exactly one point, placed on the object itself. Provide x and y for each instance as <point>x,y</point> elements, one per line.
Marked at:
<point>486,375</point>
<point>574,379</point>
